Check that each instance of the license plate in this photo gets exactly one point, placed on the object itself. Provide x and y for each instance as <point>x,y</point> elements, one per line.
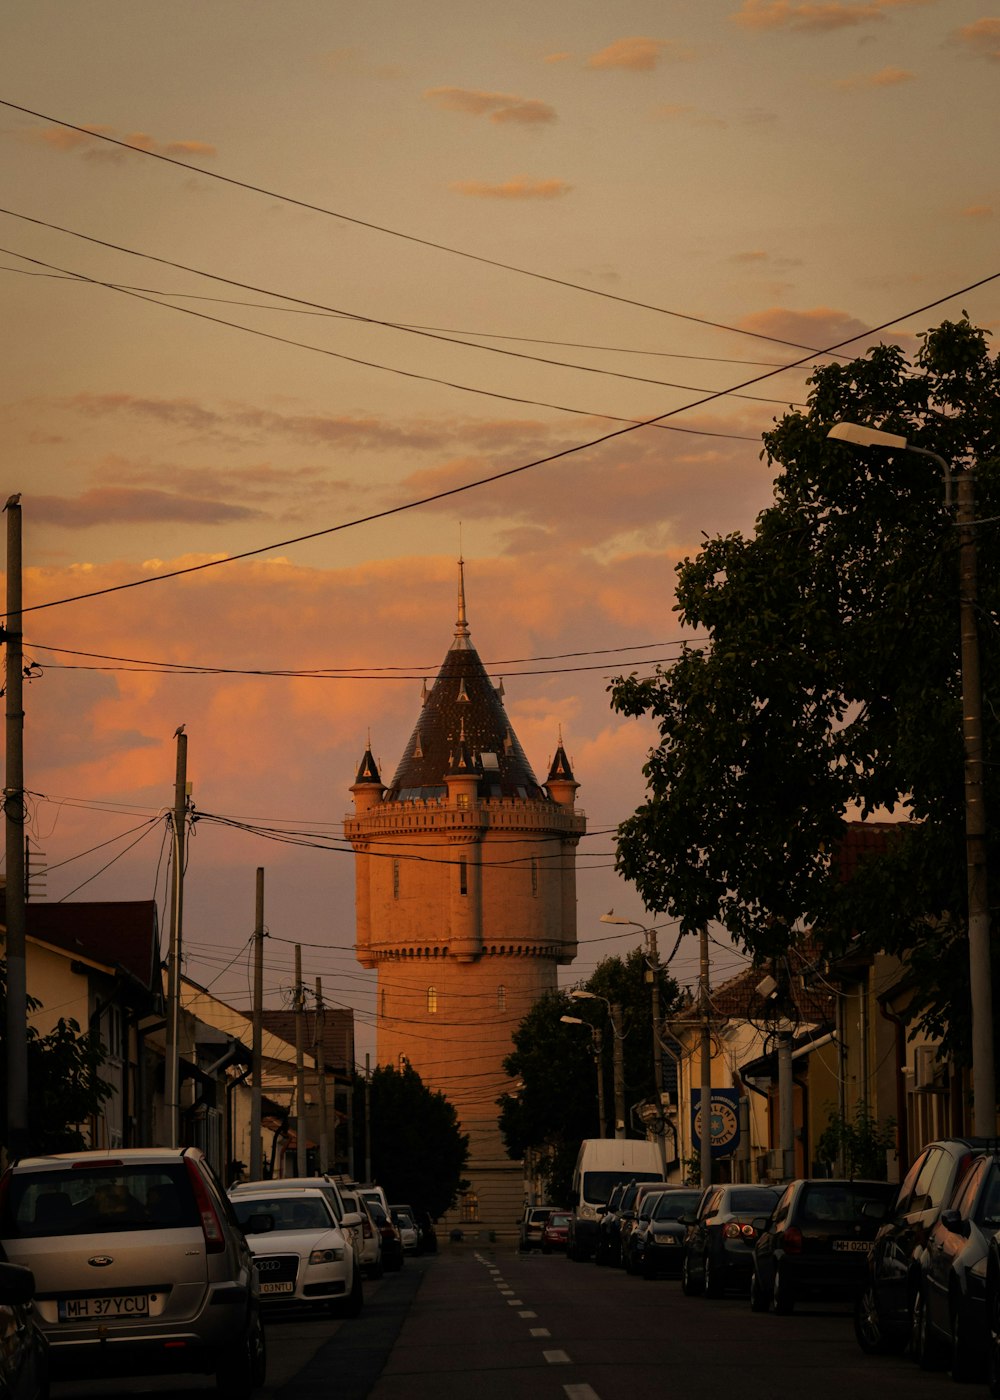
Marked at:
<point>116,1305</point>
<point>853,1246</point>
<point>277,1287</point>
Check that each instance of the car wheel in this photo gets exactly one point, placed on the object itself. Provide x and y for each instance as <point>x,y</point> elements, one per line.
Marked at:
<point>966,1362</point>
<point>714,1279</point>
<point>781,1298</point>
<point>242,1369</point>
<point>758,1298</point>
<point>925,1346</point>
<point>871,1335</point>
<point>689,1286</point>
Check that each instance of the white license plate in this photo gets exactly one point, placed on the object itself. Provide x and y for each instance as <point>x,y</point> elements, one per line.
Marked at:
<point>277,1287</point>
<point>117,1305</point>
<point>853,1246</point>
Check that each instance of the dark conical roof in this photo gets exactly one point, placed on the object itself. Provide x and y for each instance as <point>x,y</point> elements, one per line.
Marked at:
<point>560,770</point>
<point>463,707</point>
<point>368,770</point>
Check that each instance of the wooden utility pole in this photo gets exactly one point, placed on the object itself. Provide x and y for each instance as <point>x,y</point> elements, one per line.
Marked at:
<point>17,975</point>
<point>320,1051</point>
<point>368,1117</point>
<point>300,1069</point>
<point>619,1069</point>
<point>705,1150</point>
<point>257,1055</point>
<point>172,1080</point>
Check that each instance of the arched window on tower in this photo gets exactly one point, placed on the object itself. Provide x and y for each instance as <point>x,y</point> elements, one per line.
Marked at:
<point>501,997</point>
<point>432,1000</point>
<point>463,876</point>
<point>404,1063</point>
<point>395,879</point>
<point>382,1003</point>
<point>534,874</point>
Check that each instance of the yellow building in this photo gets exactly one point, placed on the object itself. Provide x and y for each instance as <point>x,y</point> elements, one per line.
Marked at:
<point>466,903</point>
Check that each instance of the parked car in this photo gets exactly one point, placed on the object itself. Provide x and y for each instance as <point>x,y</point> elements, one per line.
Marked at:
<point>530,1226</point>
<point>427,1232</point>
<point>949,1309</point>
<point>555,1232</point>
<point>370,1255</point>
<point>103,1232</point>
<point>816,1243</point>
<point>883,1314</point>
<point>718,1248</point>
<point>629,1215</point>
<point>608,1223</point>
<point>392,1241</point>
<point>350,1221</point>
<point>656,1245</point>
<point>24,1352</point>
<point>302,1254</point>
<point>407,1228</point>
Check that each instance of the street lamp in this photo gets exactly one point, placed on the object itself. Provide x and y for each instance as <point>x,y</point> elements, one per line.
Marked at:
<point>597,1039</point>
<point>615,1014</point>
<point>980,983</point>
<point>652,969</point>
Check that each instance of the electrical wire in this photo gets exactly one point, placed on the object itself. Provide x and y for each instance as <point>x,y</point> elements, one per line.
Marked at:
<point>90,878</point>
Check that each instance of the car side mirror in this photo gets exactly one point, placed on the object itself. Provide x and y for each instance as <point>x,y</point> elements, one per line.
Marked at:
<point>351,1219</point>
<point>952,1220</point>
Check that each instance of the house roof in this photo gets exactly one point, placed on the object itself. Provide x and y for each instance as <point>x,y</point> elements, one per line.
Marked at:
<point>338,1037</point>
<point>119,933</point>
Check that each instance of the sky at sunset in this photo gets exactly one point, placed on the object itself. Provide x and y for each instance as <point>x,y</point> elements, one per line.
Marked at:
<point>336,260</point>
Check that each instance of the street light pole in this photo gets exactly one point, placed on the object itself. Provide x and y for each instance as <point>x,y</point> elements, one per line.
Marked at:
<point>597,1042</point>
<point>980,972</point>
<point>653,978</point>
<point>615,1015</point>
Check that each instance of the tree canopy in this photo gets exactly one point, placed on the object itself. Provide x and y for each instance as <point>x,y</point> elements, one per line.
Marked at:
<point>830,685</point>
<point>418,1153</point>
<point>556,1106</point>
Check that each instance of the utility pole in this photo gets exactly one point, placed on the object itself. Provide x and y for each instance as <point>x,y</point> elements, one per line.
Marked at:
<point>653,978</point>
<point>172,1082</point>
<point>786,1112</point>
<point>619,1065</point>
<point>705,1152</point>
<point>300,1070</point>
<point>324,1144</point>
<point>368,1117</point>
<point>599,1061</point>
<point>17,974</point>
<point>257,1055</point>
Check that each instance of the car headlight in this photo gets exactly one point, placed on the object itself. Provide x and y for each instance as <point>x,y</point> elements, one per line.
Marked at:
<point>326,1256</point>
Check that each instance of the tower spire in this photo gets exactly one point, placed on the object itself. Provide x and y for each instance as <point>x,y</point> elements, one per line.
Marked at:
<point>462,642</point>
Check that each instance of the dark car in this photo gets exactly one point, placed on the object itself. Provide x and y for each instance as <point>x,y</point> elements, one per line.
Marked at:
<point>718,1250</point>
<point>645,1193</point>
<point>530,1227</point>
<point>555,1232</point>
<point>883,1314</point>
<point>949,1309</point>
<point>392,1240</point>
<point>24,1352</point>
<point>656,1244</point>
<point>606,1239</point>
<point>428,1234</point>
<point>816,1243</point>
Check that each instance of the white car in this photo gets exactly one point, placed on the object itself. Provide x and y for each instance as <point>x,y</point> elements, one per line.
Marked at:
<point>350,1220</point>
<point>407,1228</point>
<point>302,1254</point>
<point>371,1239</point>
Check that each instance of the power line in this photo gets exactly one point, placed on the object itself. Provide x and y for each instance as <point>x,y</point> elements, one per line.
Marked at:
<point>481,481</point>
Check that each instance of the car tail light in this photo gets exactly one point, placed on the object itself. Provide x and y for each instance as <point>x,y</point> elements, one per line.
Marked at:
<point>793,1240</point>
<point>211,1225</point>
<point>732,1230</point>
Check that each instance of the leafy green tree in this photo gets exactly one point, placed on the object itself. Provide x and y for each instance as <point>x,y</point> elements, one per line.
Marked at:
<point>555,1107</point>
<point>64,1086</point>
<point>418,1152</point>
<point>830,684</point>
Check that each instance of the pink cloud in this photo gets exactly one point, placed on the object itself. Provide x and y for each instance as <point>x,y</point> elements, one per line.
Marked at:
<point>818,327</point>
<point>500,107</point>
<point>885,77</point>
<point>816,15</point>
<point>981,37</point>
<point>520,187</point>
<point>637,54</point>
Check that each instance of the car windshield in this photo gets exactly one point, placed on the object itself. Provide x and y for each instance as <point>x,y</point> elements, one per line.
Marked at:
<point>673,1204</point>
<point>88,1200</point>
<point>291,1212</point>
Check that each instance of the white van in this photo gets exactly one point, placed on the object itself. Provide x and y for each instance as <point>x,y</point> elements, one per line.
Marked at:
<point>600,1165</point>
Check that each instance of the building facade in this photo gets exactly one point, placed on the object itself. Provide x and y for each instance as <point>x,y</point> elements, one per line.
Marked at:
<point>466,902</point>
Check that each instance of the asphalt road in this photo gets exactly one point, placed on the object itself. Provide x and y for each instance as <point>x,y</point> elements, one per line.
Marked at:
<point>483,1323</point>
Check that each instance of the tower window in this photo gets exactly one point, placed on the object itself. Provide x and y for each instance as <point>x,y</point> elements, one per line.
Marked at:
<point>404,1063</point>
<point>395,879</point>
<point>432,999</point>
<point>534,874</point>
<point>501,997</point>
<point>382,1000</point>
<point>463,876</point>
<point>462,800</point>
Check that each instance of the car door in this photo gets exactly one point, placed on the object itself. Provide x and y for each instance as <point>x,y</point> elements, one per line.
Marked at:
<point>943,1244</point>
<point>768,1243</point>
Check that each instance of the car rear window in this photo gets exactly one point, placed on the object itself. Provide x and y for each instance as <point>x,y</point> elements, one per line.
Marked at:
<point>671,1205</point>
<point>840,1202</point>
<point>97,1199</point>
<point>757,1201</point>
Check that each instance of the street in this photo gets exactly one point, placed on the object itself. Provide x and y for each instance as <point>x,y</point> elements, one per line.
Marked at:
<point>480,1322</point>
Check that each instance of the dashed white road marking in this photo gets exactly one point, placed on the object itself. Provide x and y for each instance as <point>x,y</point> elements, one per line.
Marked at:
<point>556,1358</point>
<point>581,1392</point>
<point>527,1314</point>
<point>539,1331</point>
<point>514,1303</point>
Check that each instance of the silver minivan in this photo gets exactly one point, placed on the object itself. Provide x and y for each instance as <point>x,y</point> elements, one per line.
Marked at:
<point>140,1265</point>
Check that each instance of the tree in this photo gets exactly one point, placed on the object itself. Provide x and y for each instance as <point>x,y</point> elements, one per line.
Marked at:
<point>64,1087</point>
<point>830,685</point>
<point>556,1106</point>
<point>418,1153</point>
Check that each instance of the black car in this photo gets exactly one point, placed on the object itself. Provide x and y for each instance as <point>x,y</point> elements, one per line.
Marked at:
<point>816,1243</point>
<point>949,1309</point>
<point>24,1352</point>
<point>629,1216</point>
<point>883,1314</point>
<point>656,1244</point>
<point>718,1249</point>
<point>609,1225</point>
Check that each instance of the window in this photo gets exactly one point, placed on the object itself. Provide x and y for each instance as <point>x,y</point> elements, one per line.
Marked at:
<point>404,1063</point>
<point>501,997</point>
<point>462,800</point>
<point>432,1000</point>
<point>469,1207</point>
<point>534,874</point>
<point>395,879</point>
<point>382,1001</point>
<point>463,876</point>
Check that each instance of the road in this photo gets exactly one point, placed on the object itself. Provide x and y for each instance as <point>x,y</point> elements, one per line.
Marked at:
<point>483,1323</point>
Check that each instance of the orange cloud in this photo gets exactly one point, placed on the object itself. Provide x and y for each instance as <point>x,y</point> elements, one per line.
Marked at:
<point>978,211</point>
<point>816,14</point>
<point>130,506</point>
<point>520,187</point>
<point>818,327</point>
<point>59,138</point>
<point>500,107</point>
<point>981,37</point>
<point>885,77</point>
<point>562,57</point>
<point>637,54</point>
